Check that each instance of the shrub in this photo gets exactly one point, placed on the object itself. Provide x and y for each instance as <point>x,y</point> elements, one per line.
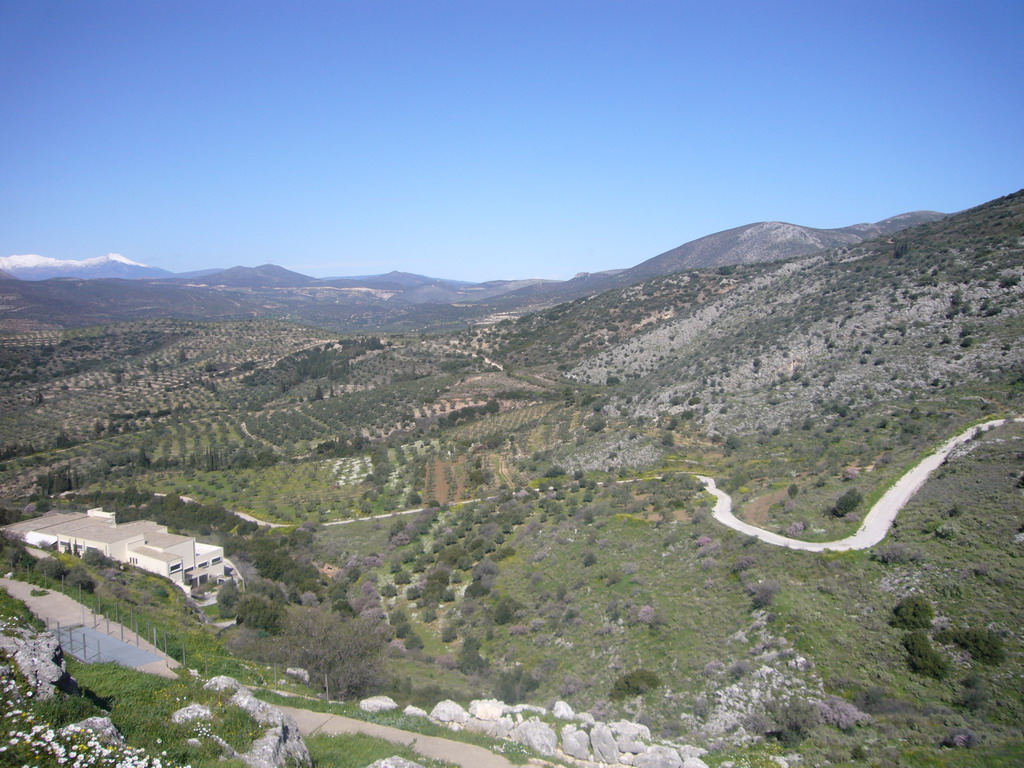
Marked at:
<point>743,563</point>
<point>896,553</point>
<point>922,657</point>
<point>913,612</point>
<point>469,659</point>
<point>984,645</point>
<point>515,685</point>
<point>975,694</point>
<point>792,720</point>
<point>846,503</point>
<point>840,713</point>
<point>79,577</point>
<point>52,568</point>
<point>763,592</point>
<point>964,738</point>
<point>261,614</point>
<point>635,683</point>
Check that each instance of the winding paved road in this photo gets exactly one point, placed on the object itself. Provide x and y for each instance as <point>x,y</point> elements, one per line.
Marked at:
<point>878,520</point>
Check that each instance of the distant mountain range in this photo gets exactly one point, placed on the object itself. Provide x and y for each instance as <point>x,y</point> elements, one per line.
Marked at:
<point>398,300</point>
<point>113,265</point>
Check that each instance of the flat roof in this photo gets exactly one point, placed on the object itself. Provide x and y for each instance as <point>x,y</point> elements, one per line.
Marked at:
<point>49,520</point>
<point>164,540</point>
<point>108,534</point>
<point>154,554</point>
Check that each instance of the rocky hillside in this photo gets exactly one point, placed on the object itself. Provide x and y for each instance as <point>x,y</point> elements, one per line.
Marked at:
<point>763,346</point>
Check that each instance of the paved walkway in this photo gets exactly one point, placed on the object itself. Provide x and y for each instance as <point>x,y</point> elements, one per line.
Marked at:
<point>435,747</point>
<point>95,637</point>
<point>879,518</point>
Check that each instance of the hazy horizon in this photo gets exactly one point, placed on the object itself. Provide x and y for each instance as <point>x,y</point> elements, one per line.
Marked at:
<point>498,141</point>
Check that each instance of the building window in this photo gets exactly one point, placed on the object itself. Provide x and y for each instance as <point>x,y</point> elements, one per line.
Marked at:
<point>203,564</point>
<point>175,568</point>
<point>215,561</point>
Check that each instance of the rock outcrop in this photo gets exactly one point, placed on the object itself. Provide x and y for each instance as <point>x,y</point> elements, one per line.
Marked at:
<point>537,735</point>
<point>448,711</point>
<point>281,743</point>
<point>40,659</point>
<point>394,762</point>
<point>101,727</point>
<point>584,740</point>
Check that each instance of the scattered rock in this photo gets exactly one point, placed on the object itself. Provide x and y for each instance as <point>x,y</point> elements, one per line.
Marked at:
<point>694,762</point>
<point>487,709</point>
<point>191,712</point>
<point>378,704</point>
<point>498,729</point>
<point>658,757</point>
<point>415,711</point>
<point>448,711</point>
<point>298,673</point>
<point>575,743</point>
<point>537,736</point>
<point>281,743</point>
<point>687,750</point>
<point>394,762</point>
<point>222,683</point>
<point>104,729</point>
<point>603,741</point>
<point>563,711</point>
<point>630,737</point>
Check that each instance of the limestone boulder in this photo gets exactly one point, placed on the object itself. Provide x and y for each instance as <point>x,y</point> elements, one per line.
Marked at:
<point>378,704</point>
<point>575,742</point>
<point>222,683</point>
<point>448,711</point>
<point>394,762</point>
<point>606,750</point>
<point>658,757</point>
<point>101,727</point>
<point>688,750</point>
<point>191,712</point>
<point>40,659</point>
<point>537,735</point>
<point>694,762</point>
<point>412,711</point>
<point>630,737</point>
<point>487,709</point>
<point>563,711</point>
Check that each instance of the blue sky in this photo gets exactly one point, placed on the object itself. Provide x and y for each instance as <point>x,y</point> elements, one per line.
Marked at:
<point>489,138</point>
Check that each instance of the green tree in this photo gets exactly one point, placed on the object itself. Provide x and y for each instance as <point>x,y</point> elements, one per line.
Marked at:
<point>922,657</point>
<point>913,612</point>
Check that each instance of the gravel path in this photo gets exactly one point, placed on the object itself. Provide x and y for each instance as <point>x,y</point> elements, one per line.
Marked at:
<point>878,520</point>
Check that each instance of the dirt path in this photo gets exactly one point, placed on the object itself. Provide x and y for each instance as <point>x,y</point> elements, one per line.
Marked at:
<point>434,747</point>
<point>878,520</point>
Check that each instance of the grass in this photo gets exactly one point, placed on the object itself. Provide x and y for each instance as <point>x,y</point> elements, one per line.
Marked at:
<point>358,751</point>
<point>141,706</point>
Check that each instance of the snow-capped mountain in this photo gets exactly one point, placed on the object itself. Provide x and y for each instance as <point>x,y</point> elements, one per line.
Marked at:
<point>33,267</point>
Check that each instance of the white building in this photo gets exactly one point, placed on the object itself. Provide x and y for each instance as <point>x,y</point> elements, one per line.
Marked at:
<point>144,544</point>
